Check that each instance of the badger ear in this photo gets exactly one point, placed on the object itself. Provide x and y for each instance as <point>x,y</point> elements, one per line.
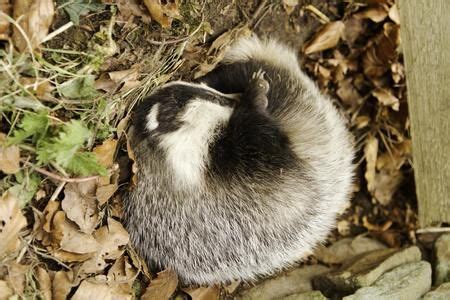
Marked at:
<point>256,92</point>
<point>152,118</point>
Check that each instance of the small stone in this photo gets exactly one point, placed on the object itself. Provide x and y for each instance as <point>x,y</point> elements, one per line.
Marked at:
<point>441,293</point>
<point>365,269</point>
<point>442,261</point>
<point>295,281</point>
<point>408,281</point>
<point>311,295</point>
<point>346,248</point>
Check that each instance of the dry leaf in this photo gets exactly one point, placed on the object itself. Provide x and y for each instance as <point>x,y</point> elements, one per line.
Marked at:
<point>327,37</point>
<point>371,153</point>
<point>163,13</point>
<point>386,98</point>
<point>5,290</point>
<point>5,7</point>
<point>385,185</point>
<point>9,157</point>
<point>347,92</point>
<point>111,238</point>
<point>130,8</point>
<point>70,239</point>
<point>105,152</point>
<point>204,293</point>
<point>105,192</point>
<point>377,13</point>
<point>36,18</point>
<point>90,290</point>
<point>11,222</point>
<point>382,52</point>
<point>394,14</point>
<point>62,284</point>
<point>121,276</point>
<point>289,5</point>
<point>45,283</point>
<point>80,205</point>
<point>162,287</point>
<point>17,275</point>
<point>353,29</point>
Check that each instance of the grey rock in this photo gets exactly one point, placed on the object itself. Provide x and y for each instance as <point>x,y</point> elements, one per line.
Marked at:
<point>365,269</point>
<point>441,293</point>
<point>406,282</point>
<point>344,249</point>
<point>311,295</point>
<point>442,259</point>
<point>292,282</point>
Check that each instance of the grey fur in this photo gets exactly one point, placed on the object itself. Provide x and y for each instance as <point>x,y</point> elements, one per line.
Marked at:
<point>214,231</point>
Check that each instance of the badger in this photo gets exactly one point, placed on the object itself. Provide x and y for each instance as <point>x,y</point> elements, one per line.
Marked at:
<point>241,173</point>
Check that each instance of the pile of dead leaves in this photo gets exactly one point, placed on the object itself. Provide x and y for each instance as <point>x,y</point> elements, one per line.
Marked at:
<point>358,59</point>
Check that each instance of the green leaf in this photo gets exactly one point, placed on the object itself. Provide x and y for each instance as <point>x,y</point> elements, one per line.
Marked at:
<point>85,163</point>
<point>25,188</point>
<point>79,88</point>
<point>64,150</point>
<point>77,8</point>
<point>31,125</point>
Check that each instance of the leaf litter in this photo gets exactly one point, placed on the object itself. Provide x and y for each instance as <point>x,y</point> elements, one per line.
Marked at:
<point>64,111</point>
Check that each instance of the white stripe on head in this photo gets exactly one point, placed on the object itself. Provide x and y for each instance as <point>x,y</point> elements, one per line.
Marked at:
<point>187,147</point>
<point>152,118</point>
<point>203,86</point>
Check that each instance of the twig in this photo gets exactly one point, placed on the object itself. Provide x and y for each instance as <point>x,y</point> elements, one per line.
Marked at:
<point>179,40</point>
<point>258,14</point>
<point>433,230</point>
<point>59,177</point>
<point>57,191</point>
<point>57,31</point>
<point>321,16</point>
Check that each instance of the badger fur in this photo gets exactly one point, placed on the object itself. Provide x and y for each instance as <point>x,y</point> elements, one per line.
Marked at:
<point>240,173</point>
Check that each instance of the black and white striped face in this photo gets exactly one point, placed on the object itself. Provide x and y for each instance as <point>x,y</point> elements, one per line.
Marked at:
<point>182,119</point>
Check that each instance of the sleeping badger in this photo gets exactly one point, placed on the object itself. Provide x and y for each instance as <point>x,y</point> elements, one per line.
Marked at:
<point>239,174</point>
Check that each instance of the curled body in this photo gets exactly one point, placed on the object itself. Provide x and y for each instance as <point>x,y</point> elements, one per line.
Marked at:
<point>240,173</point>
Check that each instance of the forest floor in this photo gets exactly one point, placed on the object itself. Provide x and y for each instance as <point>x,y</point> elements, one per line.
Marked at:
<point>71,71</point>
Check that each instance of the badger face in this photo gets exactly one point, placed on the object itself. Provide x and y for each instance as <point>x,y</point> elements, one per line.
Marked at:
<point>183,119</point>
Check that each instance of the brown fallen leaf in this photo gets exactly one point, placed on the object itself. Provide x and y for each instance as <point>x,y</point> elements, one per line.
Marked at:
<point>111,238</point>
<point>62,284</point>
<point>5,290</point>
<point>204,293</point>
<point>17,277</point>
<point>121,276</point>
<point>11,223</point>
<point>376,13</point>
<point>67,237</point>
<point>5,7</point>
<point>289,5</point>
<point>105,192</point>
<point>162,287</point>
<point>45,283</point>
<point>132,8</point>
<point>36,18</point>
<point>80,205</point>
<point>353,29</point>
<point>370,154</point>
<point>382,52</point>
<point>385,185</point>
<point>9,156</point>
<point>163,12</point>
<point>105,152</point>
<point>394,14</point>
<point>348,93</point>
<point>386,98</point>
<point>327,37</point>
<point>91,290</point>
